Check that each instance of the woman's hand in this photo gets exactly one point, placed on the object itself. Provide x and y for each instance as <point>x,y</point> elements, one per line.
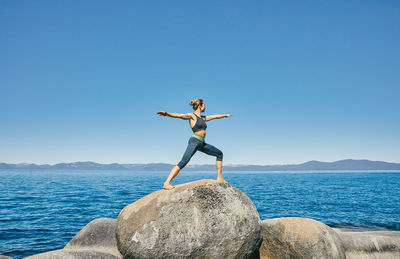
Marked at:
<point>162,113</point>
<point>228,115</point>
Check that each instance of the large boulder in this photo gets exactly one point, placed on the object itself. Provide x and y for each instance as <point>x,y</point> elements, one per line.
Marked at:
<point>294,237</point>
<point>95,240</point>
<point>370,244</point>
<point>201,219</point>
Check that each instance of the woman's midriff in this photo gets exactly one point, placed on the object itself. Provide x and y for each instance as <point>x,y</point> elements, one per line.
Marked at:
<point>201,133</point>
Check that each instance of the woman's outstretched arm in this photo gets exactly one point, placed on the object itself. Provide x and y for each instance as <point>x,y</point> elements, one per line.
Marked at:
<point>183,116</point>
<point>217,116</point>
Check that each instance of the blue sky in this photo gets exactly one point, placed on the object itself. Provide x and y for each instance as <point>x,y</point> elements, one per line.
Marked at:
<point>303,80</point>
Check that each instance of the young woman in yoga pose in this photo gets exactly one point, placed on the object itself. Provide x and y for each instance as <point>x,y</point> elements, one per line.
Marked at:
<point>197,140</point>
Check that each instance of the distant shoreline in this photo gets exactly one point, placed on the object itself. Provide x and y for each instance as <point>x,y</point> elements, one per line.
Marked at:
<point>341,165</point>
<point>198,170</point>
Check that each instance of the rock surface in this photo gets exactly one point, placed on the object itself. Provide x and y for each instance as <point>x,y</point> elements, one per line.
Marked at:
<point>98,233</point>
<point>371,244</point>
<point>201,219</point>
<point>95,240</point>
<point>82,253</point>
<point>294,237</point>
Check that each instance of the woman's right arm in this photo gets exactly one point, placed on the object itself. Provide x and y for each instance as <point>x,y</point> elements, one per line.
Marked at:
<point>183,116</point>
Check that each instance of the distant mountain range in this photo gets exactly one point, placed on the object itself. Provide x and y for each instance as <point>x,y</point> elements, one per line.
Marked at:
<point>346,164</point>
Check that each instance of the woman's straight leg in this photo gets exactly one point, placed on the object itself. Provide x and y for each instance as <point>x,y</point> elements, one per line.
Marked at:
<point>192,147</point>
<point>189,152</point>
<point>174,172</point>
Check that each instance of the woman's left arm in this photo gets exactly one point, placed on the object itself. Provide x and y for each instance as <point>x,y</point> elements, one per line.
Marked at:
<point>217,116</point>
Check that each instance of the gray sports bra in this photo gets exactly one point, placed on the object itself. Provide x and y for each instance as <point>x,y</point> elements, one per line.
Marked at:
<point>200,124</point>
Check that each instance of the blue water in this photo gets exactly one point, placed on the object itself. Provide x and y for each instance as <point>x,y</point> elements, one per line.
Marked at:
<point>42,210</point>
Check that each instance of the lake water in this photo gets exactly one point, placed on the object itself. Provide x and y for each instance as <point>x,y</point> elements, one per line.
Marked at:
<point>42,210</point>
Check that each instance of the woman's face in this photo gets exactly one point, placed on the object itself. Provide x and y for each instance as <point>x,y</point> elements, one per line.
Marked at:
<point>203,107</point>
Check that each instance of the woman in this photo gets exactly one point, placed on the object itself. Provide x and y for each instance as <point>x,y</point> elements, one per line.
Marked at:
<point>197,140</point>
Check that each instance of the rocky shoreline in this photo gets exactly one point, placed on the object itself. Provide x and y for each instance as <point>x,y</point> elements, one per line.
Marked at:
<point>207,219</point>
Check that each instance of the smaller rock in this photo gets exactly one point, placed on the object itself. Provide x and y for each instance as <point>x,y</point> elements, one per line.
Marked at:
<point>95,240</point>
<point>371,244</point>
<point>99,233</point>
<point>294,237</point>
<point>5,257</point>
<point>82,253</point>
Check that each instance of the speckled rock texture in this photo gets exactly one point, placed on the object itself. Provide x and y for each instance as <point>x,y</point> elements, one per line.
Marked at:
<point>201,219</point>
<point>371,244</point>
<point>83,253</point>
<point>96,240</point>
<point>299,238</point>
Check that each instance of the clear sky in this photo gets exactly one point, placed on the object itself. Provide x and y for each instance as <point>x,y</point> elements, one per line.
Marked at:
<point>303,80</point>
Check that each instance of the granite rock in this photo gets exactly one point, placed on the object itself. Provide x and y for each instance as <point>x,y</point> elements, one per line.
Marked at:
<point>95,240</point>
<point>370,244</point>
<point>294,237</point>
<point>201,219</point>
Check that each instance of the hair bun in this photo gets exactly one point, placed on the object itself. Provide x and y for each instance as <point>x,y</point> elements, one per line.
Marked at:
<point>196,103</point>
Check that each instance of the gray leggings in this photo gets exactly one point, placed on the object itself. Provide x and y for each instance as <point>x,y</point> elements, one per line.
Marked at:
<point>195,144</point>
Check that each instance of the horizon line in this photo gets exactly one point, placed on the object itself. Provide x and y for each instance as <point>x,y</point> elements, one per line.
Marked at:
<point>230,164</point>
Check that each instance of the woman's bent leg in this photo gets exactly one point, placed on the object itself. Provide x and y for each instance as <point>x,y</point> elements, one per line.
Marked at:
<point>219,171</point>
<point>213,151</point>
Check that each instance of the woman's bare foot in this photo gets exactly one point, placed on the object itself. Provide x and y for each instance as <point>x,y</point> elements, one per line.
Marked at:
<point>167,186</point>
<point>221,180</point>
